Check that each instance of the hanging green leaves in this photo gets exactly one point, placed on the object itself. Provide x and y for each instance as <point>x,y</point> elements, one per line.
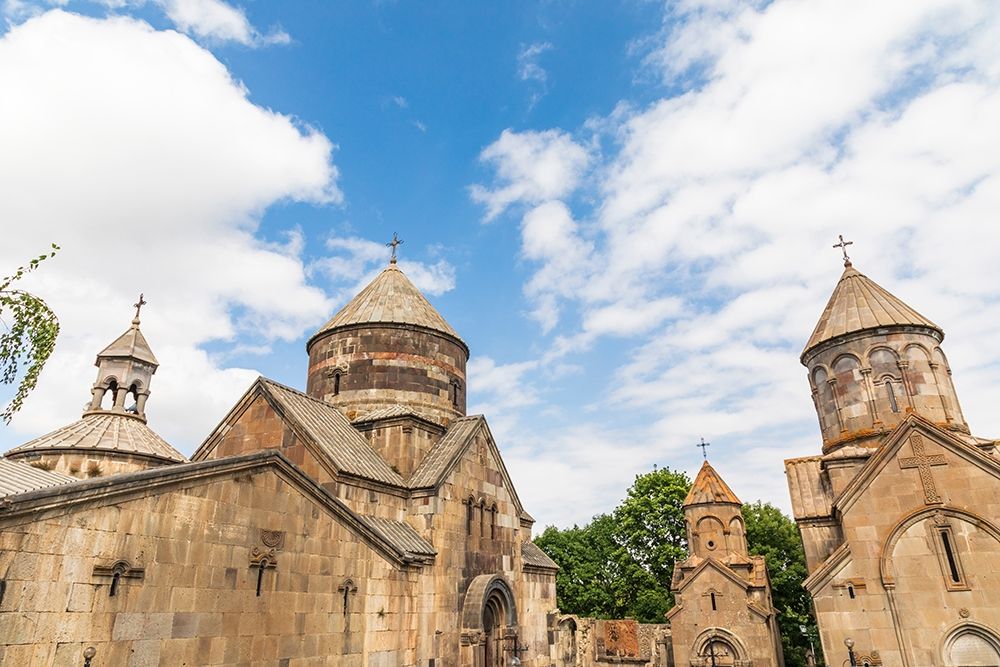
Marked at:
<point>28,336</point>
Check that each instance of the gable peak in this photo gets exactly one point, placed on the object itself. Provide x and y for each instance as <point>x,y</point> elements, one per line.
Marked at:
<point>709,488</point>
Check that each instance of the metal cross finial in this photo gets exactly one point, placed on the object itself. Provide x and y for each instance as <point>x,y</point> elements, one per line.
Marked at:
<point>704,447</point>
<point>843,246</point>
<point>138,306</point>
<point>392,244</point>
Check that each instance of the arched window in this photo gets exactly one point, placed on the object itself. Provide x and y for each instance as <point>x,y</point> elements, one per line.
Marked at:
<point>890,393</point>
<point>336,383</point>
<point>493,522</point>
<point>972,645</point>
<point>470,509</point>
<point>112,388</point>
<point>482,518</point>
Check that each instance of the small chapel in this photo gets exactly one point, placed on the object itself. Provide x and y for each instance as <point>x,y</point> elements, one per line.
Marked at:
<point>366,521</point>
<point>900,511</point>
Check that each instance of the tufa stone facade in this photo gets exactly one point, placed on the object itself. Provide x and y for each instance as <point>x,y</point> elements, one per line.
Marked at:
<point>898,513</point>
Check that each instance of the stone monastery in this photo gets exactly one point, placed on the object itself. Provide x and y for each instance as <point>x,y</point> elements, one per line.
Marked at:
<point>369,522</point>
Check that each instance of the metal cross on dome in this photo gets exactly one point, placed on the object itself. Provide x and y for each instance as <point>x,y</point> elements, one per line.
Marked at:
<point>138,305</point>
<point>843,247</point>
<point>392,244</point>
<point>704,448</point>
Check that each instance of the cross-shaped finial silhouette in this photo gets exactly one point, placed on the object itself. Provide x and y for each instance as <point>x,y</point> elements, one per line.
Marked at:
<point>138,305</point>
<point>843,246</point>
<point>704,447</point>
<point>392,244</point>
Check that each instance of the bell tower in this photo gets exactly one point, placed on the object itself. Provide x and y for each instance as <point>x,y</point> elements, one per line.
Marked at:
<point>124,370</point>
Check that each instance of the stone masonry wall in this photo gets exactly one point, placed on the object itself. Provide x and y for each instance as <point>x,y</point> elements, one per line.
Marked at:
<point>196,601</point>
<point>382,366</point>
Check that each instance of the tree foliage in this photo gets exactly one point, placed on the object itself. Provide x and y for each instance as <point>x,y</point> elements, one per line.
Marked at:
<point>28,337</point>
<point>620,564</point>
<point>775,536</point>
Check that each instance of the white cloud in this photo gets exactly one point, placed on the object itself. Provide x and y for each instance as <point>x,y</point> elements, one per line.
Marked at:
<point>527,62</point>
<point>149,165</point>
<point>356,261</point>
<point>709,232</point>
<point>533,167</point>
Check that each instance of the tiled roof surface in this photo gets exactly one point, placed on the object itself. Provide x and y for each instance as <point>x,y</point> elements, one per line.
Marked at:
<point>331,431</point>
<point>811,496</point>
<point>390,298</point>
<point>386,413</point>
<point>17,477</point>
<point>401,535</point>
<point>858,303</point>
<point>105,432</point>
<point>130,344</point>
<point>533,556</point>
<point>708,487</point>
<point>440,459</point>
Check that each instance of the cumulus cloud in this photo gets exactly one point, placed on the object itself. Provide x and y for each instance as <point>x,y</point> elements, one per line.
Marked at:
<point>151,167</point>
<point>218,20</point>
<point>532,167</point>
<point>712,216</point>
<point>355,261</point>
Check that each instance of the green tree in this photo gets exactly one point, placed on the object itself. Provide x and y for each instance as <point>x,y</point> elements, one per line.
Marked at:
<point>649,524</point>
<point>620,565</point>
<point>773,535</point>
<point>29,334</point>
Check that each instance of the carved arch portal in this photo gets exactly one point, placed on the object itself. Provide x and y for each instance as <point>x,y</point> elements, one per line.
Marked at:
<point>971,644</point>
<point>489,619</point>
<point>719,647</point>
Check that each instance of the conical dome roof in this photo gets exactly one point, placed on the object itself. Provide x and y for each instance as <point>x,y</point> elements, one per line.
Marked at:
<point>859,303</point>
<point>390,299</point>
<point>130,344</point>
<point>107,432</point>
<point>708,487</point>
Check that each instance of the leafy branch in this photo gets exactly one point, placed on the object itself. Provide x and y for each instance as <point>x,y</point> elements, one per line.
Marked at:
<point>29,338</point>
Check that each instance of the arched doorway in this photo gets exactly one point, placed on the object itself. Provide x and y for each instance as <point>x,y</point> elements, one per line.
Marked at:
<point>972,646</point>
<point>718,647</point>
<point>490,613</point>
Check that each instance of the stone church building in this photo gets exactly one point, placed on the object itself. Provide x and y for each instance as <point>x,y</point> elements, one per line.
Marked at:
<point>900,512</point>
<point>723,615</point>
<point>367,521</point>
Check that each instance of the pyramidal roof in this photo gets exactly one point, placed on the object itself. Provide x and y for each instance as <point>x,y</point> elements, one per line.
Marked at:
<point>708,487</point>
<point>859,303</point>
<point>130,344</point>
<point>392,299</point>
<point>107,432</point>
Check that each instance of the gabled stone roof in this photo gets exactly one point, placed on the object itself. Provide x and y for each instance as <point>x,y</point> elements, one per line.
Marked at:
<point>401,535</point>
<point>330,431</point>
<point>533,556</point>
<point>444,454</point>
<point>390,299</point>
<point>859,303</point>
<point>108,432</point>
<point>708,487</point>
<point>17,477</point>
<point>130,344</point>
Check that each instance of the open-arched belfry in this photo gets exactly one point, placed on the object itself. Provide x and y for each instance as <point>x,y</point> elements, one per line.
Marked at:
<point>366,521</point>
<point>900,511</point>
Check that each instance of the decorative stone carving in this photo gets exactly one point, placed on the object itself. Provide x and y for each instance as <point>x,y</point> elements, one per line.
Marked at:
<point>272,539</point>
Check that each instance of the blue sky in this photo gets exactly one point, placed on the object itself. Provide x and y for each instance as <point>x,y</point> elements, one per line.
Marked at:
<point>626,209</point>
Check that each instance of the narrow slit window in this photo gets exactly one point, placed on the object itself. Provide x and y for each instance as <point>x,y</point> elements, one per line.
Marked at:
<point>347,599</point>
<point>260,577</point>
<point>949,554</point>
<point>468,516</point>
<point>493,522</point>
<point>116,579</point>
<point>850,591</point>
<point>892,396</point>
<point>713,602</point>
<point>336,384</point>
